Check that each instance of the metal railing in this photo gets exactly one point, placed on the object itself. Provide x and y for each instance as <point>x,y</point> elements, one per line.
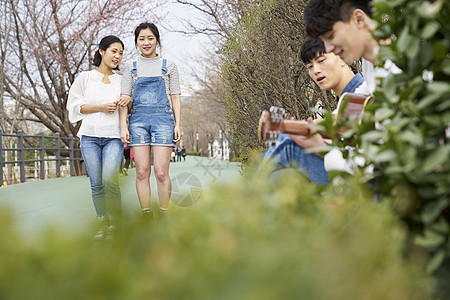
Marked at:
<point>41,148</point>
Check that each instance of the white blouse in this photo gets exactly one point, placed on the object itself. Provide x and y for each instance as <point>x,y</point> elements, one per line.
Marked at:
<point>89,89</point>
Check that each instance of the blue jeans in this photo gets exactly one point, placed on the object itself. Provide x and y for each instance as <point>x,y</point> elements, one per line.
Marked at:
<point>103,157</point>
<point>287,154</point>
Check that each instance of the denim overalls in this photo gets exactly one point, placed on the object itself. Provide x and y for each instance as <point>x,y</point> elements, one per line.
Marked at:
<point>151,120</point>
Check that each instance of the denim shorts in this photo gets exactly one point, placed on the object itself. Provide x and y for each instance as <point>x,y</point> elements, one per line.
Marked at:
<point>155,127</point>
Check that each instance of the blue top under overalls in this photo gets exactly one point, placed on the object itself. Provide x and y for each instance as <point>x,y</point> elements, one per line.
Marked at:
<point>151,120</point>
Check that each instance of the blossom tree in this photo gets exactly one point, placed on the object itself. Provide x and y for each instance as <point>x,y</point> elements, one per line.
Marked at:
<point>44,44</point>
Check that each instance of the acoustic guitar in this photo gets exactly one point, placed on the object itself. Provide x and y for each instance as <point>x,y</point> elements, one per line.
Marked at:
<point>273,123</point>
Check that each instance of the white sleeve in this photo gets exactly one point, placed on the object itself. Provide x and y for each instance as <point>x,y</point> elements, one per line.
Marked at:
<point>362,89</point>
<point>368,71</point>
<point>174,78</point>
<point>334,161</point>
<point>127,82</point>
<point>76,97</point>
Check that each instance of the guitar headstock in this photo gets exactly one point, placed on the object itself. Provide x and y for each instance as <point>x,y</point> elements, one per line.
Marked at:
<point>270,123</point>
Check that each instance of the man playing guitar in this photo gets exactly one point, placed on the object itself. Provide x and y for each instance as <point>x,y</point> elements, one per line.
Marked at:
<point>329,72</point>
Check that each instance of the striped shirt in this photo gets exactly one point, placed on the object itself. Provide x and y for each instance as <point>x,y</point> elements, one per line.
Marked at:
<point>152,67</point>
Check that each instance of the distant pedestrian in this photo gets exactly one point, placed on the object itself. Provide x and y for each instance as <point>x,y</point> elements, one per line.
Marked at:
<point>183,153</point>
<point>93,99</point>
<point>178,154</point>
<point>127,156</point>
<point>173,154</point>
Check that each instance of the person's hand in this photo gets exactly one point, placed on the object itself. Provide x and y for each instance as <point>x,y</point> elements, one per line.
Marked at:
<point>313,141</point>
<point>124,135</point>
<point>124,100</point>
<point>177,133</point>
<point>109,108</point>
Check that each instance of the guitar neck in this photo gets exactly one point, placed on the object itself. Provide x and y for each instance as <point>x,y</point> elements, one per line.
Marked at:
<point>296,127</point>
<point>271,123</point>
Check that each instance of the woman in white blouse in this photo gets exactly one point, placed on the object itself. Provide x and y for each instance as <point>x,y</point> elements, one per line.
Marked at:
<point>93,99</point>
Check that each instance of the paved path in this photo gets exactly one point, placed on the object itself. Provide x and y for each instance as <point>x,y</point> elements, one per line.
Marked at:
<point>67,201</point>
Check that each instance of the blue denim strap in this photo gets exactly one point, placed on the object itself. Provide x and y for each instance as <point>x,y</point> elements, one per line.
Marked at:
<point>164,68</point>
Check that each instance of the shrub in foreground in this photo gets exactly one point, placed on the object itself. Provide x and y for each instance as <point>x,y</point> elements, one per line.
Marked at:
<point>249,239</point>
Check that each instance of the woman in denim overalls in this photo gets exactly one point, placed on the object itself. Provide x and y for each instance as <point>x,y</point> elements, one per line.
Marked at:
<point>154,123</point>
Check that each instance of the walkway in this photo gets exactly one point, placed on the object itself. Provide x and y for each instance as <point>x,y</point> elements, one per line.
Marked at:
<point>67,201</point>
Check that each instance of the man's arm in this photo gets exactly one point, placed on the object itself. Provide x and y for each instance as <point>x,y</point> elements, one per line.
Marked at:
<point>308,142</point>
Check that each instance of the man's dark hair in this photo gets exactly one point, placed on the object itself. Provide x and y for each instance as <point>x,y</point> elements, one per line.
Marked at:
<point>320,15</point>
<point>310,49</point>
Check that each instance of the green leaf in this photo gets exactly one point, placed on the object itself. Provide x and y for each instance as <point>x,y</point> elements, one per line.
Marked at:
<point>441,226</point>
<point>438,87</point>
<point>439,49</point>
<point>389,86</point>
<point>430,239</point>
<point>374,136</point>
<point>381,7</point>
<point>428,100</point>
<point>430,29</point>
<point>446,116</point>
<point>431,121</point>
<point>387,155</point>
<point>397,125</point>
<point>394,170</point>
<point>414,47</point>
<point>446,66</point>
<point>436,158</point>
<point>403,39</point>
<point>444,105</point>
<point>428,9</point>
<point>383,114</point>
<point>433,209</point>
<point>426,54</point>
<point>348,134</point>
<point>411,137</point>
<point>436,261</point>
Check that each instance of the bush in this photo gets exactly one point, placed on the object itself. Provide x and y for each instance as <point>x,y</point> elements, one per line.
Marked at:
<point>193,153</point>
<point>412,161</point>
<point>249,239</point>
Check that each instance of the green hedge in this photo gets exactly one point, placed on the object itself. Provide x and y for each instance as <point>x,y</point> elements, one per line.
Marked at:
<point>193,153</point>
<point>248,239</point>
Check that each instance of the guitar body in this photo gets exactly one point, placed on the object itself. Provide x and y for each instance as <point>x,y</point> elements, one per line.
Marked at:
<point>272,123</point>
<point>351,104</point>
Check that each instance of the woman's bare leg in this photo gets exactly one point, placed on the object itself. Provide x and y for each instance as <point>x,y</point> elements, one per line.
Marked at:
<point>161,160</point>
<point>143,169</point>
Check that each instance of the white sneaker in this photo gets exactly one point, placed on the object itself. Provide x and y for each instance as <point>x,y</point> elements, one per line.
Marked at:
<point>101,233</point>
<point>110,232</point>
